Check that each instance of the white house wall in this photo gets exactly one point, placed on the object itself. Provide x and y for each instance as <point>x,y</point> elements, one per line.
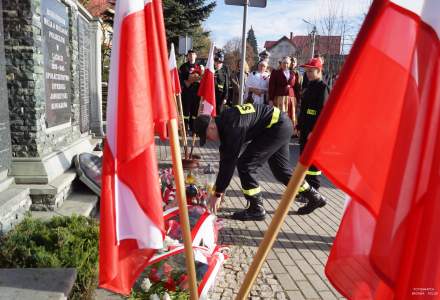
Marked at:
<point>280,50</point>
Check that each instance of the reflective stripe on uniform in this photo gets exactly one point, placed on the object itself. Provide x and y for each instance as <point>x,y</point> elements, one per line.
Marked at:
<point>275,117</point>
<point>312,112</point>
<point>194,117</point>
<point>186,117</point>
<point>313,173</point>
<point>252,192</point>
<point>304,187</point>
<point>244,109</point>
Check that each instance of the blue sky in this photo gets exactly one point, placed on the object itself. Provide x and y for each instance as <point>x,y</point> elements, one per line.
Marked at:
<point>279,18</point>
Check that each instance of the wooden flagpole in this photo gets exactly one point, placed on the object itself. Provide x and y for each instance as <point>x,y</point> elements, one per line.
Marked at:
<point>182,122</point>
<point>181,196</point>
<point>273,230</point>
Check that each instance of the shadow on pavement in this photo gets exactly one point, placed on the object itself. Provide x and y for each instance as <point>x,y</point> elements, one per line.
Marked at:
<point>287,240</point>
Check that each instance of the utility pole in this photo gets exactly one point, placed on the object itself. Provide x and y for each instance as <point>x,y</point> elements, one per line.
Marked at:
<point>313,40</point>
<point>313,33</point>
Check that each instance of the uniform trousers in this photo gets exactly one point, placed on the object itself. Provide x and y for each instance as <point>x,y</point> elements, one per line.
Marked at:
<point>271,146</point>
<point>313,173</point>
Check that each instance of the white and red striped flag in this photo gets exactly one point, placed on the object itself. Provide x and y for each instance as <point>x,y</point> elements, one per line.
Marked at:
<point>206,88</point>
<point>175,81</point>
<point>131,222</point>
<point>378,138</point>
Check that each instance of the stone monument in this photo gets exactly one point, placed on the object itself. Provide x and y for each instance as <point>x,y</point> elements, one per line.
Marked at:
<point>14,201</point>
<point>48,67</point>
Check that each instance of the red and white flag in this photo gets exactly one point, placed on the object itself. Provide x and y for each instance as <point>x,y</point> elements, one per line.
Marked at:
<point>175,81</point>
<point>206,88</point>
<point>378,138</point>
<point>131,222</point>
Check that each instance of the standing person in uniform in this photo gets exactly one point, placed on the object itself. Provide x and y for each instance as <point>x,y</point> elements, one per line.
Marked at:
<point>282,86</point>
<point>312,102</point>
<point>221,81</point>
<point>264,56</point>
<point>305,81</point>
<point>190,74</point>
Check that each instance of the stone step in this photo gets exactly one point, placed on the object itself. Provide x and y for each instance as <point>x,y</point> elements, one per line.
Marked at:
<point>14,204</point>
<point>102,294</point>
<point>36,284</point>
<point>52,195</point>
<point>5,183</point>
<point>81,202</point>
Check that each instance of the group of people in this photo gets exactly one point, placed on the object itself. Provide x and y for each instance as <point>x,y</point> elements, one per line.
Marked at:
<point>277,106</point>
<point>190,75</point>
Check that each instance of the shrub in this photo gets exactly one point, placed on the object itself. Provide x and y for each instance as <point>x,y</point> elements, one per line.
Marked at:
<point>62,242</point>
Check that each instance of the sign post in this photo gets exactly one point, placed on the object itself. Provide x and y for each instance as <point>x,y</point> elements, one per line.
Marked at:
<point>245,4</point>
<point>185,44</point>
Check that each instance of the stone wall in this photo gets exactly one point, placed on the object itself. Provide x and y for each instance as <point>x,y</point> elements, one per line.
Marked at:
<point>25,78</point>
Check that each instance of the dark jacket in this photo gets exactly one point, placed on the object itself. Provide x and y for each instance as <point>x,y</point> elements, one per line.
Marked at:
<point>312,102</point>
<point>184,72</point>
<point>221,83</point>
<point>236,126</point>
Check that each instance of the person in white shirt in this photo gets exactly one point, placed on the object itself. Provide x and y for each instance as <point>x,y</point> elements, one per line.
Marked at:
<point>258,84</point>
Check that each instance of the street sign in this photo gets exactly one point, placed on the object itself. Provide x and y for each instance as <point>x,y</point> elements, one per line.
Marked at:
<point>252,3</point>
<point>185,44</point>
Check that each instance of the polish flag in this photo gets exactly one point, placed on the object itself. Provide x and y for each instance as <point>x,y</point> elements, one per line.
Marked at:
<point>174,72</point>
<point>378,139</point>
<point>206,88</point>
<point>131,222</point>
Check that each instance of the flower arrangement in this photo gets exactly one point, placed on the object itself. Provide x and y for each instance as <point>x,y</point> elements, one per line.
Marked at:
<point>165,277</point>
<point>196,192</point>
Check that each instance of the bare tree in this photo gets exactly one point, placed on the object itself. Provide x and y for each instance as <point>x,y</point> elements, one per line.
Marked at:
<point>334,22</point>
<point>232,50</point>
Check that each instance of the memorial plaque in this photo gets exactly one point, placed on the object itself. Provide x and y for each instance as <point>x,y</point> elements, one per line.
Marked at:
<point>5,137</point>
<point>84,65</point>
<point>55,31</point>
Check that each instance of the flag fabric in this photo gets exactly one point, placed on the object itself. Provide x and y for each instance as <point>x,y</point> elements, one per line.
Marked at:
<point>206,88</point>
<point>131,222</point>
<point>378,138</point>
<point>175,81</point>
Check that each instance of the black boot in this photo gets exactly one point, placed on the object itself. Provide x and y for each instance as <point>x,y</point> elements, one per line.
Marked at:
<point>316,200</point>
<point>301,198</point>
<point>255,211</point>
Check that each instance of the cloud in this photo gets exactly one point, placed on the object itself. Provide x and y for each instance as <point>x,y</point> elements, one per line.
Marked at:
<point>279,18</point>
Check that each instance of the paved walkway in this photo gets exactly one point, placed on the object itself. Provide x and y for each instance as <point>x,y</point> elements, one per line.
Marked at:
<point>295,266</point>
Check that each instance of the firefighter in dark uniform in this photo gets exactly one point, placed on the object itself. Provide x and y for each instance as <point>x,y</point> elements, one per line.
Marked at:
<point>190,74</point>
<point>268,132</point>
<point>221,81</point>
<point>312,102</point>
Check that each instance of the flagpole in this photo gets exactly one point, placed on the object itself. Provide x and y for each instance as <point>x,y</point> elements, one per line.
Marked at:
<point>273,230</point>
<point>182,122</point>
<point>181,196</point>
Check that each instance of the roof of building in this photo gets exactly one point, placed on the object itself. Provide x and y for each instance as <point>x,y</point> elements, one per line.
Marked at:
<point>323,44</point>
<point>99,7</point>
<point>270,44</point>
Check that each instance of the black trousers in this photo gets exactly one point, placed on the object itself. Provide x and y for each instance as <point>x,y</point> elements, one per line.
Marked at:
<point>273,147</point>
<point>190,106</point>
<point>313,173</point>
